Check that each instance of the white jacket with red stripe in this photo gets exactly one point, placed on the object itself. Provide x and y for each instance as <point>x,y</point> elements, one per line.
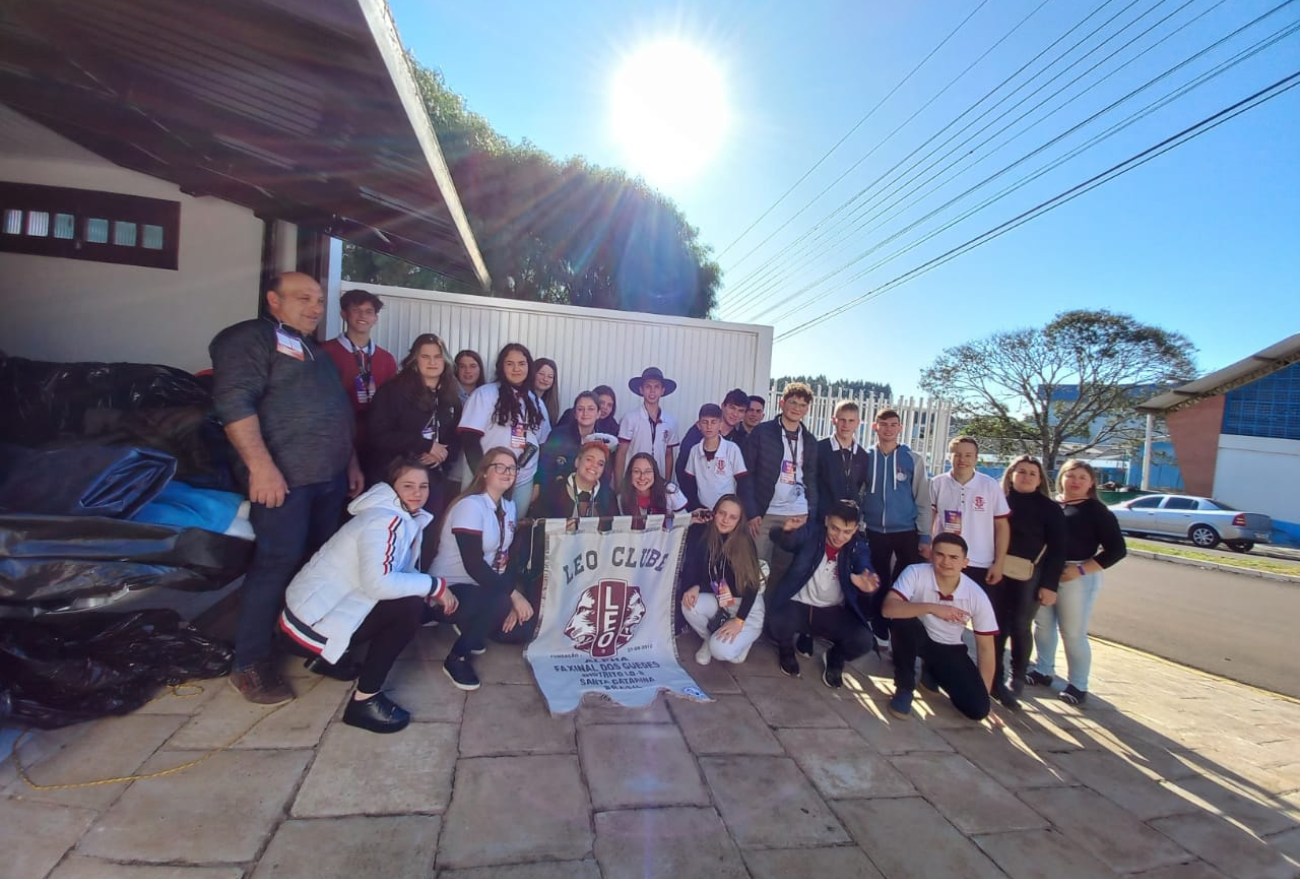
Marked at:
<point>371,559</point>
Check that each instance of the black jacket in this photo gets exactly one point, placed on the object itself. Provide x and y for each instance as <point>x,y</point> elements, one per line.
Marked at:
<point>764,451</point>
<point>808,544</point>
<point>833,482</point>
<point>554,501</point>
<point>398,415</point>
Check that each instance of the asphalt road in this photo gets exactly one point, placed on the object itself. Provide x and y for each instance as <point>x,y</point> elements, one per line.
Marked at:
<point>1240,627</point>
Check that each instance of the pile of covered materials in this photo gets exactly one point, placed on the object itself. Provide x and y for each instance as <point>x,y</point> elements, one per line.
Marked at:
<point>116,530</point>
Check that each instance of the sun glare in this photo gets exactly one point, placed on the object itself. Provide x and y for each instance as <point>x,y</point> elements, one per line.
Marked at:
<point>668,108</point>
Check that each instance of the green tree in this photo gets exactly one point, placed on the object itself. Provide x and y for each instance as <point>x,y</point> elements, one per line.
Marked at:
<point>849,387</point>
<point>550,231</point>
<point>1074,381</point>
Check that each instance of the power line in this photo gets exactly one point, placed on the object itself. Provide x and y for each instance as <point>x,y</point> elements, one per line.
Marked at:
<point>1135,117</point>
<point>1186,135</point>
<point>766,283</point>
<point>850,132</point>
<point>895,189</point>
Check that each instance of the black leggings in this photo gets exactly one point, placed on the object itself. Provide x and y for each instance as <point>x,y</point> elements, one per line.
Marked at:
<point>387,629</point>
<point>480,611</point>
<point>1013,605</point>
<point>950,664</point>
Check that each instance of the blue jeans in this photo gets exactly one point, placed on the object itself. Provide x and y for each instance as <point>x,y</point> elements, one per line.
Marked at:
<point>1070,615</point>
<point>286,537</point>
<point>522,495</point>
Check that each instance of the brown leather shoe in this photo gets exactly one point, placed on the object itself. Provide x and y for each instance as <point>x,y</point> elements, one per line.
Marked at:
<point>261,683</point>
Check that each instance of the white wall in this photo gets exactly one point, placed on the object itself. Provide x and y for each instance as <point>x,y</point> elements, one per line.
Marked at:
<point>1259,475</point>
<point>67,309</point>
<point>591,346</point>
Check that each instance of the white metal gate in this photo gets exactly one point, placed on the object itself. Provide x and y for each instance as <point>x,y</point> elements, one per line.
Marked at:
<point>926,423</point>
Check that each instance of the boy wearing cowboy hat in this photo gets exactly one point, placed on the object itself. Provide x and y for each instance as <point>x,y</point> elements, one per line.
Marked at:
<point>647,428</point>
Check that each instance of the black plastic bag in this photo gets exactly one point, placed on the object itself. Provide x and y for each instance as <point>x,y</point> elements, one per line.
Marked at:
<point>113,481</point>
<point>43,400</point>
<point>95,666</point>
<point>52,560</point>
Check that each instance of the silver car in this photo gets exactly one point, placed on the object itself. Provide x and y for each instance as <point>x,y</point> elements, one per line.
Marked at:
<point>1202,520</point>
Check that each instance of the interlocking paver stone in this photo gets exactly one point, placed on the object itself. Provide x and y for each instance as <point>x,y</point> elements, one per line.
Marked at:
<point>226,716</point>
<point>1288,843</point>
<point>513,720</point>
<point>516,810</point>
<point>302,722</point>
<point>1262,813</point>
<point>884,732</point>
<point>220,811</point>
<point>46,832</point>
<point>596,711</point>
<point>1225,847</point>
<point>840,764</point>
<point>422,689</point>
<point>767,802</point>
<point>116,747</point>
<point>1193,870</point>
<point>1113,834</point>
<point>1040,854</point>
<point>502,664</point>
<point>348,848</point>
<point>677,843</point>
<point>968,797</point>
<point>359,773</point>
<point>791,703</point>
<point>587,869</point>
<point>1001,757</point>
<point>1123,783</point>
<point>729,725</point>
<point>843,862</point>
<point>76,867</point>
<point>630,765</point>
<point>907,839</point>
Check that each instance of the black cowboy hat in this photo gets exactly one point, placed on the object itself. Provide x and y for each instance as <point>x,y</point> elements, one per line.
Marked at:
<point>655,373</point>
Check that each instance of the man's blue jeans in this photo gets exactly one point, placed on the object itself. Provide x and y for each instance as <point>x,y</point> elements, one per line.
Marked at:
<point>286,537</point>
<point>1070,614</point>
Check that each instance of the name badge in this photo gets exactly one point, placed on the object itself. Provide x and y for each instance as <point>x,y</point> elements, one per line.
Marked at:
<point>518,438</point>
<point>900,475</point>
<point>787,472</point>
<point>723,591</point>
<point>952,521</point>
<point>427,433</point>
<point>287,344</point>
<point>365,388</point>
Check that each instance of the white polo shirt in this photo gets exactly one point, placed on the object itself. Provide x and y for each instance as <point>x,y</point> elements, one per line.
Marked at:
<point>641,435</point>
<point>917,584</point>
<point>823,588</point>
<point>715,478</point>
<point>791,495</point>
<point>476,514</point>
<point>477,417</point>
<point>969,510</point>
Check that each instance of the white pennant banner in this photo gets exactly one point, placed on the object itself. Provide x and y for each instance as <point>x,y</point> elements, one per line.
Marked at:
<point>606,615</point>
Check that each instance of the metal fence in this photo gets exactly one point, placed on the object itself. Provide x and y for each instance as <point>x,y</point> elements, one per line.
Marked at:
<point>926,423</point>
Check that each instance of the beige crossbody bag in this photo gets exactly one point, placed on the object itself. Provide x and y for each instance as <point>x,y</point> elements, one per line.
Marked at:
<point>1020,568</point>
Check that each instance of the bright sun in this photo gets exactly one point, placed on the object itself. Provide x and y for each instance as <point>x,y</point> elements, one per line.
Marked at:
<point>669,110</point>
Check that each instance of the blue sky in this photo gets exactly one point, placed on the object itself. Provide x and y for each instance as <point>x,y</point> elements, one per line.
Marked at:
<point>1202,240</point>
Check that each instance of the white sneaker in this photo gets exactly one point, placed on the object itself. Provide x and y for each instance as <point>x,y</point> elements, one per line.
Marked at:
<point>704,655</point>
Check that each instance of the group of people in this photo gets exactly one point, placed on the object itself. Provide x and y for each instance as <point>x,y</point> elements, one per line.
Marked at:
<point>790,536</point>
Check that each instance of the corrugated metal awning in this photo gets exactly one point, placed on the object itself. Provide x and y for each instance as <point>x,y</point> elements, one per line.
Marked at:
<point>1256,366</point>
<point>302,110</point>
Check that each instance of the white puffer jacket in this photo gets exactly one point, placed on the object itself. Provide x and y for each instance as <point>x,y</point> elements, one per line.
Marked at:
<point>370,559</point>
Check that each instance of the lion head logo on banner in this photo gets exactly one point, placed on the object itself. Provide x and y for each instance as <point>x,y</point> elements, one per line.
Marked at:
<point>606,618</point>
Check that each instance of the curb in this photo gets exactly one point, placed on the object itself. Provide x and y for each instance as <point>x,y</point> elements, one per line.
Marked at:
<point>1214,566</point>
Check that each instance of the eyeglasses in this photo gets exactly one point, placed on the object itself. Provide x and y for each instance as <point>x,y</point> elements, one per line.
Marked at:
<point>504,469</point>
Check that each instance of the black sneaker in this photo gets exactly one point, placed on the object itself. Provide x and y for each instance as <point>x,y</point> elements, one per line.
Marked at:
<point>1037,679</point>
<point>260,683</point>
<point>461,672</point>
<point>803,645</point>
<point>832,670</point>
<point>377,714</point>
<point>1004,695</point>
<point>1016,685</point>
<point>789,665</point>
<point>1072,695</point>
<point>346,669</point>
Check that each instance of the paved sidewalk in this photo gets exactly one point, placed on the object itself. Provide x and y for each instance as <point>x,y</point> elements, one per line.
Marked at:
<point>1168,774</point>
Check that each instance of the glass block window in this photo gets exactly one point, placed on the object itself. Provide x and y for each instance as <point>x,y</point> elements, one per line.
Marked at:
<point>65,226</point>
<point>87,224</point>
<point>153,237</point>
<point>1268,407</point>
<point>123,234</point>
<point>13,222</point>
<point>97,231</point>
<point>38,223</point>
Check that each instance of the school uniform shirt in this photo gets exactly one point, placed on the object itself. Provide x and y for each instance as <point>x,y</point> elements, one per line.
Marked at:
<point>823,587</point>
<point>476,514</point>
<point>715,473</point>
<point>969,510</point>
<point>477,418</point>
<point>791,495</point>
<point>917,584</point>
<point>643,435</point>
<point>363,370</point>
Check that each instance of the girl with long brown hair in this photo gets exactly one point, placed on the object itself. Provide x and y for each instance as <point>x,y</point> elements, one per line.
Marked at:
<point>722,582</point>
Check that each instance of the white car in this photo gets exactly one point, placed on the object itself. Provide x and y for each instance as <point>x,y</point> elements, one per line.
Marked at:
<point>1202,520</point>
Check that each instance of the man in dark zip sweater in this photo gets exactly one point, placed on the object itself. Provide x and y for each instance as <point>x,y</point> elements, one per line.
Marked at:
<point>285,412</point>
<point>841,462</point>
